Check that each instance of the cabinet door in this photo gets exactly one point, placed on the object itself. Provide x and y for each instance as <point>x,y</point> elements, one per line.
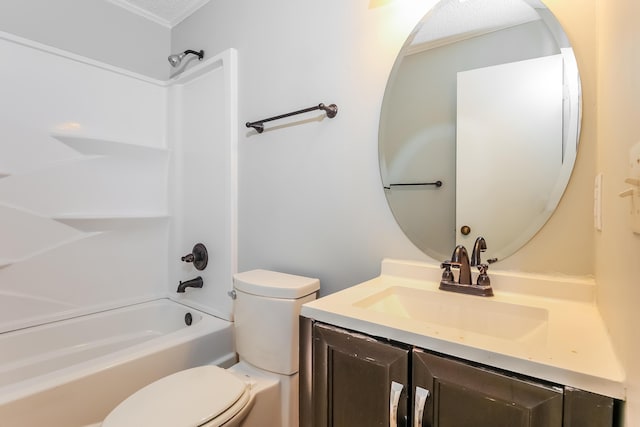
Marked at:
<point>462,395</point>
<point>584,409</point>
<point>353,376</point>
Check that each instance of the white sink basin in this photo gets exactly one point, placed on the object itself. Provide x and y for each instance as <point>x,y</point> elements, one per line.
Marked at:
<point>474,314</point>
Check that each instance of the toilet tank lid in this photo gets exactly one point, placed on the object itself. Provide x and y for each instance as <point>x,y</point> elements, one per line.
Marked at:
<point>274,284</point>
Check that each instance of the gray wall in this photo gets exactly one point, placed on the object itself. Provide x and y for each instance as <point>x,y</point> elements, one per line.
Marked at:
<point>95,29</point>
<point>311,200</point>
<point>310,196</point>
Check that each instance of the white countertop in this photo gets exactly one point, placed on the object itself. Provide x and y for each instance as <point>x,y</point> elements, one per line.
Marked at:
<point>568,343</point>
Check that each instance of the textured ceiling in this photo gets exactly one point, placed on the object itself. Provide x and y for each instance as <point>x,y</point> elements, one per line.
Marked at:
<point>164,12</point>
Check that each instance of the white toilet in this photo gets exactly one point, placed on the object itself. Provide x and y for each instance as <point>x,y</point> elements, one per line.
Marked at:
<point>261,390</point>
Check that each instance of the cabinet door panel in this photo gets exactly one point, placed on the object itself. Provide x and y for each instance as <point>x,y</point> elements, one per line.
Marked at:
<point>467,396</point>
<point>352,379</point>
<point>584,409</point>
<point>459,406</point>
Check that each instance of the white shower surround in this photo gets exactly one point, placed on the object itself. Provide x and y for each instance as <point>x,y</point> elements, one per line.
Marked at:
<point>90,177</point>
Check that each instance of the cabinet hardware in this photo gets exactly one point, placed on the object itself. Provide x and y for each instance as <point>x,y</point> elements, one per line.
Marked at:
<point>394,398</point>
<point>421,399</point>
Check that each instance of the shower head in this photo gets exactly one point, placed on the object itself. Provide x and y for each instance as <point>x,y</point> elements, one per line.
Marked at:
<point>176,59</point>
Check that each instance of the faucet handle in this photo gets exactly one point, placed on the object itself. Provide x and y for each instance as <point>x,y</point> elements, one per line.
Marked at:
<point>483,277</point>
<point>447,274</point>
<point>198,256</point>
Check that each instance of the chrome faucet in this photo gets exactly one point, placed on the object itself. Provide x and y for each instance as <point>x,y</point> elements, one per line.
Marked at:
<point>460,260</point>
<point>193,283</point>
<point>478,247</point>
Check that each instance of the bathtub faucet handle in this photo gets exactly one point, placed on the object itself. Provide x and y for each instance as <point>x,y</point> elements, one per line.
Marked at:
<point>198,256</point>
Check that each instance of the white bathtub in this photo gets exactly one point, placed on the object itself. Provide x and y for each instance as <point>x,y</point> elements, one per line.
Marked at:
<point>73,372</point>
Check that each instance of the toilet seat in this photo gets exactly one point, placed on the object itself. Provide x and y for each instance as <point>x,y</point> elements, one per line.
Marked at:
<point>205,395</point>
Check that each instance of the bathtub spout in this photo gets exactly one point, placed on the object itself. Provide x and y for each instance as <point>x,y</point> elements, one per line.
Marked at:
<point>193,283</point>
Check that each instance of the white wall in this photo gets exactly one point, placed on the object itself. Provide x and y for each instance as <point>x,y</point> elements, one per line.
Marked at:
<point>617,248</point>
<point>95,29</point>
<point>311,200</point>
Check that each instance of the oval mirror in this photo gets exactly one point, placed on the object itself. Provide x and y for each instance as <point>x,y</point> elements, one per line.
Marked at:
<point>479,125</point>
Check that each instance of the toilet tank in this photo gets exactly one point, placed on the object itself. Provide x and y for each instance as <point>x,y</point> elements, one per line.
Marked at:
<point>266,311</point>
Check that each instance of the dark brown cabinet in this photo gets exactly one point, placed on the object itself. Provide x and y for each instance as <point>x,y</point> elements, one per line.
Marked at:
<point>351,379</point>
<point>354,375</point>
<point>468,396</point>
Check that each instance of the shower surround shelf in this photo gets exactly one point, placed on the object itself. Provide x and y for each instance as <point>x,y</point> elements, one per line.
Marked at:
<point>97,222</point>
<point>8,262</point>
<point>90,146</point>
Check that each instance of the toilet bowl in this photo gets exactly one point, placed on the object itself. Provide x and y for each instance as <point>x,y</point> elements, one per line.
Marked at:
<point>261,390</point>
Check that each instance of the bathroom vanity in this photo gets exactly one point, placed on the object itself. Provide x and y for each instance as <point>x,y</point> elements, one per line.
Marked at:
<point>396,351</point>
<point>399,351</point>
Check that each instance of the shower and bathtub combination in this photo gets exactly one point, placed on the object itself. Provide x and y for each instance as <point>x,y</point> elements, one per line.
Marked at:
<point>96,211</point>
